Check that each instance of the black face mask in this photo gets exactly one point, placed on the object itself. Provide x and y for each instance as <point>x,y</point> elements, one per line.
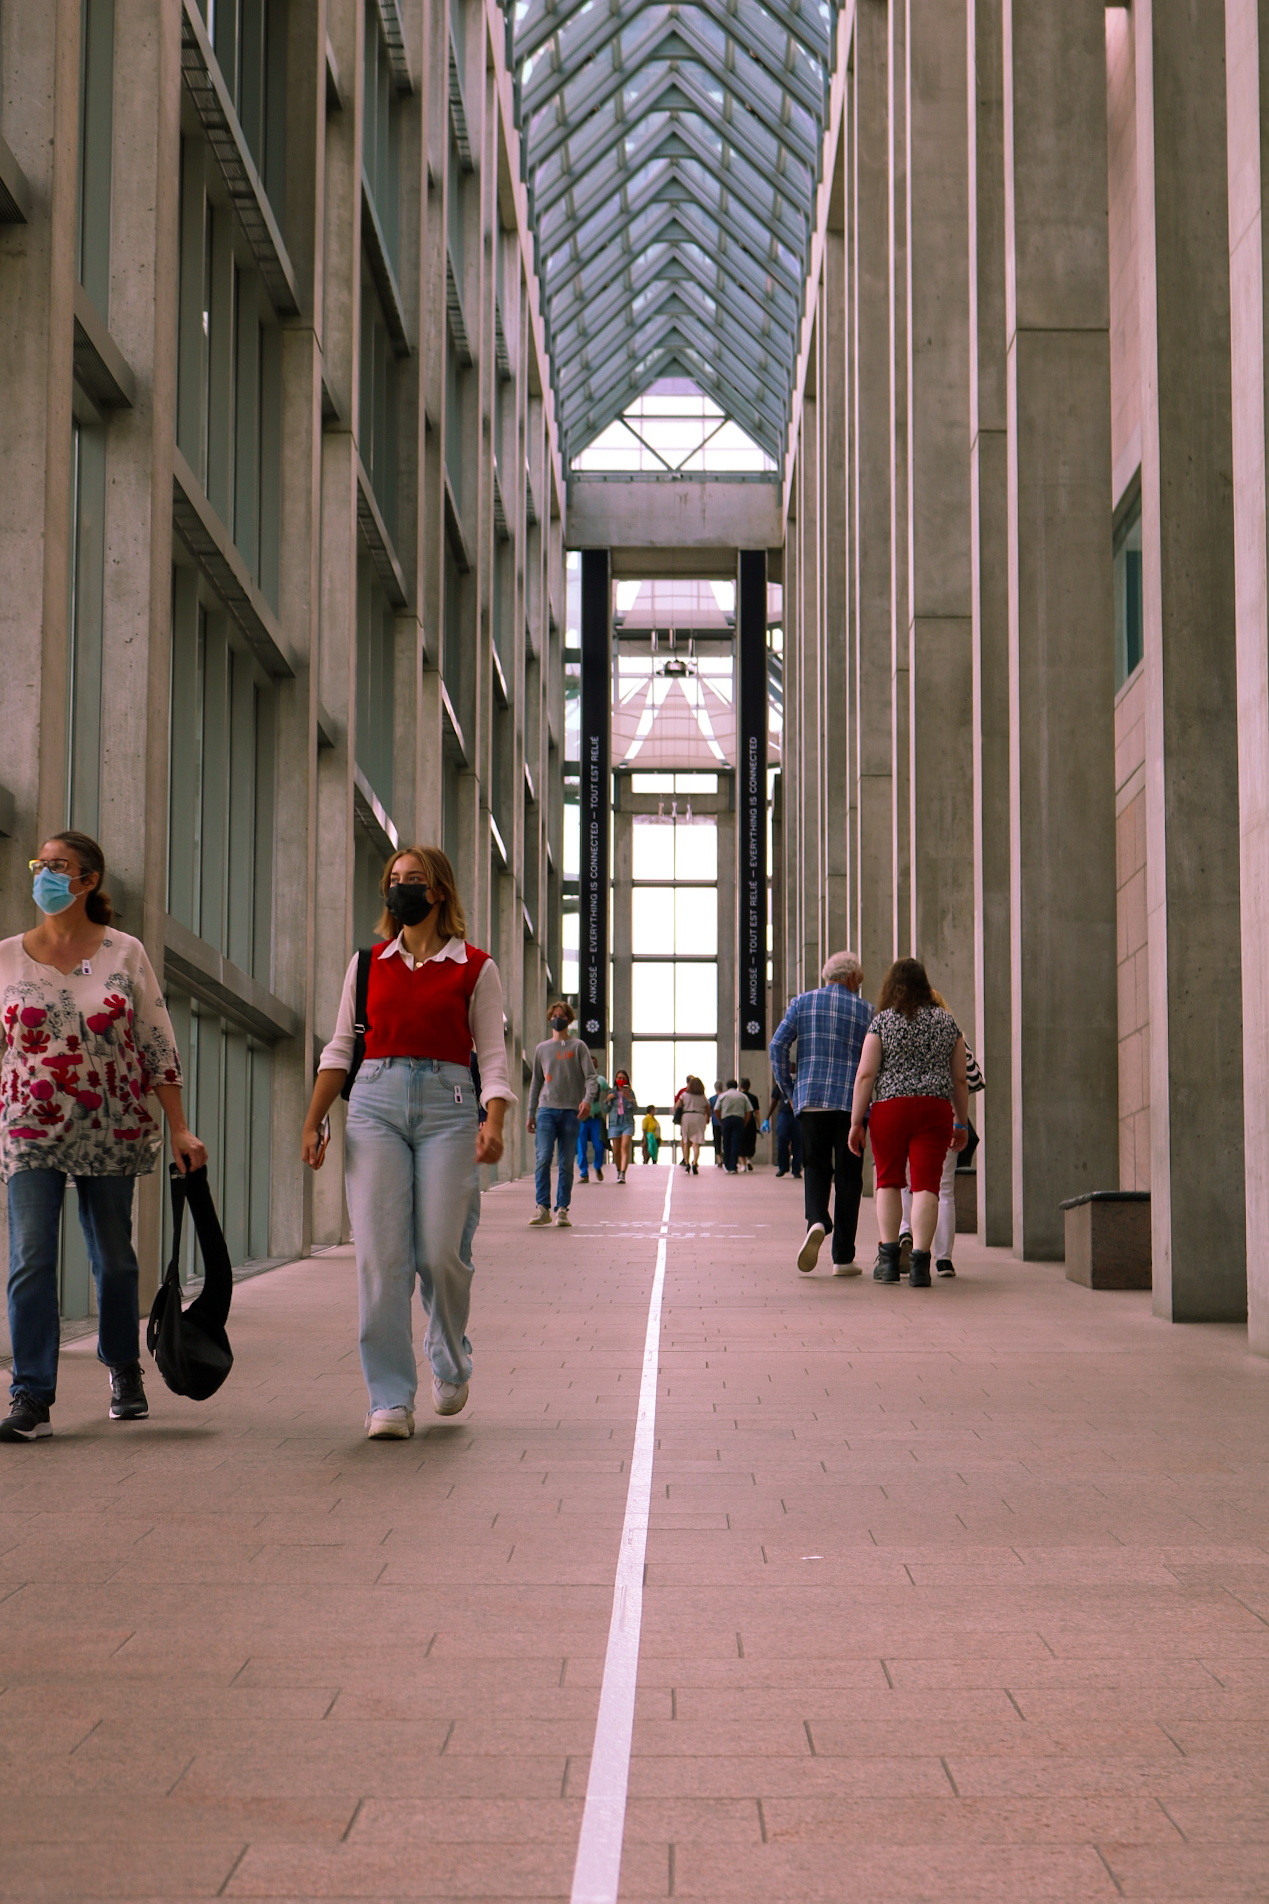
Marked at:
<point>410,905</point>
<point>559,1024</point>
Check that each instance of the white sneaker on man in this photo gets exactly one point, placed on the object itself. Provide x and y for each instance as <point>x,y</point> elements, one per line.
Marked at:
<point>847,1269</point>
<point>389,1424</point>
<point>809,1254</point>
<point>449,1398</point>
<point>540,1215</point>
<point>563,1221</point>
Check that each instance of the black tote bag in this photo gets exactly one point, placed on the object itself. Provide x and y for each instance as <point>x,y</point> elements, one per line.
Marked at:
<point>190,1346</point>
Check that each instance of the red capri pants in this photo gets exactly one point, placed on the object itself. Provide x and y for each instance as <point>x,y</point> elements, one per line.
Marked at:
<point>910,1133</point>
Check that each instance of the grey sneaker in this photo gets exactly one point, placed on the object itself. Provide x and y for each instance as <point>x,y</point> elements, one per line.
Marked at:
<point>847,1269</point>
<point>541,1215</point>
<point>449,1398</point>
<point>390,1424</point>
<point>563,1221</point>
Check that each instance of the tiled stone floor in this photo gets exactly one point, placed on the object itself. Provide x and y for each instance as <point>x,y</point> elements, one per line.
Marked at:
<point>959,1594</point>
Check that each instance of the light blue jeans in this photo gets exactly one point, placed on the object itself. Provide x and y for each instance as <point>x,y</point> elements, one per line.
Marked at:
<point>414,1200</point>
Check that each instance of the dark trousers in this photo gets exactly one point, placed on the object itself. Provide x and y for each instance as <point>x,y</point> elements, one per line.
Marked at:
<point>788,1142</point>
<point>828,1160</point>
<point>733,1132</point>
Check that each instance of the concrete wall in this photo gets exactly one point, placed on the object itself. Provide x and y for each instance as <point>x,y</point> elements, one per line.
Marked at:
<point>1132,947</point>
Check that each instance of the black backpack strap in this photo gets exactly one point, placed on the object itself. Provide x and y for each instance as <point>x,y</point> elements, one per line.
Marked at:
<point>361,1024</point>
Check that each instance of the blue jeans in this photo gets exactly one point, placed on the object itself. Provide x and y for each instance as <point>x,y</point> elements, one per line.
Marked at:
<point>555,1127</point>
<point>414,1200</point>
<point>788,1141</point>
<point>105,1216</point>
<point>590,1143</point>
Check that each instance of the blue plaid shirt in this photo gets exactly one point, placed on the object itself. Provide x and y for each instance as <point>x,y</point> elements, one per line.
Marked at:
<point>830,1026</point>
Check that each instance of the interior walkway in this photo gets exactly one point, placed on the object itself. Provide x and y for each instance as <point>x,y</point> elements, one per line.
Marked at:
<point>951,1595</point>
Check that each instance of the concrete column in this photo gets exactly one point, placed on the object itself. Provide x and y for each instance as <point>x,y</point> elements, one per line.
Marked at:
<point>897,277</point>
<point>873,931</point>
<point>729,1052</point>
<point>832,324</point>
<point>989,547</point>
<point>940,657</point>
<point>1061,672</point>
<point>850,686</point>
<point>1199,1240</point>
<point>1247,83</point>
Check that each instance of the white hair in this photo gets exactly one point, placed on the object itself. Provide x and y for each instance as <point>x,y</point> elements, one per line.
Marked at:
<point>842,968</point>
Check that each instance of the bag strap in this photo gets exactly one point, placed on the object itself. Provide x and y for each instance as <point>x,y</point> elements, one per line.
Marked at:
<point>173,1272</point>
<point>361,1022</point>
<point>218,1276</point>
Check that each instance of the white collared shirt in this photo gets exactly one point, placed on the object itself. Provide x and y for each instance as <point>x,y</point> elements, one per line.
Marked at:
<point>484,1015</point>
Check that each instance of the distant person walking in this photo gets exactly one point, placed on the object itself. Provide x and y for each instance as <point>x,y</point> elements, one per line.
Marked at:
<point>735,1114</point>
<point>749,1141</point>
<point>85,1042</point>
<point>828,1026</point>
<point>945,1229</point>
<point>621,1115</point>
<point>413,1138</point>
<point>788,1134</point>
<point>715,1123</point>
<point>591,1140</point>
<point>651,1130</point>
<point>912,1073</point>
<point>694,1109</point>
<point>561,1095</point>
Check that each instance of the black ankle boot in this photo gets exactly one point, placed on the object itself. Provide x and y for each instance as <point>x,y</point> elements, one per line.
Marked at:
<point>886,1267</point>
<point>919,1270</point>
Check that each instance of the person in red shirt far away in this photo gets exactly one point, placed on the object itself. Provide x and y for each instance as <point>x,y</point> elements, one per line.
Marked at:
<point>412,1140</point>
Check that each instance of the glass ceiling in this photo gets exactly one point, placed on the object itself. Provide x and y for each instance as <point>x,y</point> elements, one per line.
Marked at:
<point>672,155</point>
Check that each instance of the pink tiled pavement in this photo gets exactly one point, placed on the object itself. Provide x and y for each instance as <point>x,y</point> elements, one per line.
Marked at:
<point>958,1594</point>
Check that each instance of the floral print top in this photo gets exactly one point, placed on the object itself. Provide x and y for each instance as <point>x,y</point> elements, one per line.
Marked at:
<point>80,1053</point>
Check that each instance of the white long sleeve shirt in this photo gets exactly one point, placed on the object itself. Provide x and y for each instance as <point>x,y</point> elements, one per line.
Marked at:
<point>484,1015</point>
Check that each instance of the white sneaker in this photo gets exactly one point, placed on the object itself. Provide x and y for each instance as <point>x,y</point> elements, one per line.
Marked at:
<point>809,1253</point>
<point>541,1215</point>
<point>847,1269</point>
<point>563,1221</point>
<point>449,1398</point>
<point>389,1424</point>
<point>621,1176</point>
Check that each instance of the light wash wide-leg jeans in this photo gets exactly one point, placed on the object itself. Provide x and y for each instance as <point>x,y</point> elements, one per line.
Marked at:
<point>414,1200</point>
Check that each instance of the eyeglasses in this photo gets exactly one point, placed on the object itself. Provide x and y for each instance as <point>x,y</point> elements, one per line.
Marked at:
<point>54,866</point>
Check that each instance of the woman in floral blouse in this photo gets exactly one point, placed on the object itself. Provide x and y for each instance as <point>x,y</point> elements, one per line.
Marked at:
<point>85,1039</point>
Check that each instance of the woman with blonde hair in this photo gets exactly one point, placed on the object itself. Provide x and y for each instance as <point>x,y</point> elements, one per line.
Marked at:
<point>693,1106</point>
<point>413,1138</point>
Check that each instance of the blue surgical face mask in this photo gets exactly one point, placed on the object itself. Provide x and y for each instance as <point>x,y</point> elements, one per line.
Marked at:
<point>52,891</point>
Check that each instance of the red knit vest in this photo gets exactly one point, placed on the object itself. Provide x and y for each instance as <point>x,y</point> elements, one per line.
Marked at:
<point>421,1013</point>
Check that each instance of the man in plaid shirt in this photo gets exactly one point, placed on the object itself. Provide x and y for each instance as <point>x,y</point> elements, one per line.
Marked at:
<point>828,1026</point>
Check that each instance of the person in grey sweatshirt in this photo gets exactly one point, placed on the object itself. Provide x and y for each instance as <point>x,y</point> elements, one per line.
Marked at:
<point>563,1091</point>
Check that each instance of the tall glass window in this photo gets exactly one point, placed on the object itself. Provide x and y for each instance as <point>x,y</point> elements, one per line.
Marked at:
<point>376,662</point>
<point>674,977</point>
<point>377,426</point>
<point>1129,618</point>
<point>380,133</point>
<point>88,554</point>
<point>223,721</point>
<point>96,114</point>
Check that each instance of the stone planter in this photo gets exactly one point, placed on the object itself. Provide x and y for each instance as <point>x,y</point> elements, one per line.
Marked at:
<point>1108,1239</point>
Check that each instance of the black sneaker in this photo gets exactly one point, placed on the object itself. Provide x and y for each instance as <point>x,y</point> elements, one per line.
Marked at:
<point>28,1420</point>
<point>945,1266</point>
<point>127,1394</point>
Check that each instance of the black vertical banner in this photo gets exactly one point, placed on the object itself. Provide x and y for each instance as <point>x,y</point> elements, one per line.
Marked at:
<point>751,795</point>
<point>592,947</point>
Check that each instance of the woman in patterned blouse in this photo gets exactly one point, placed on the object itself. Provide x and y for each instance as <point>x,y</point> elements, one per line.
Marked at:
<point>912,1071</point>
<point>85,1039</point>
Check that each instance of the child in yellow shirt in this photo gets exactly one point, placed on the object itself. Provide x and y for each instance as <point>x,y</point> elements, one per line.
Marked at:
<point>651,1135</point>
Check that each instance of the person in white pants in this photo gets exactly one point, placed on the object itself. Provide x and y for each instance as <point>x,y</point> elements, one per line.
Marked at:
<point>945,1228</point>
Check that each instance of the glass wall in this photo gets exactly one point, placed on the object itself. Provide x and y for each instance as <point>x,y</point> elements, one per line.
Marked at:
<point>228,1095</point>
<point>223,720</point>
<point>88,551</point>
<point>674,976</point>
<point>376,663</point>
<point>96,89</point>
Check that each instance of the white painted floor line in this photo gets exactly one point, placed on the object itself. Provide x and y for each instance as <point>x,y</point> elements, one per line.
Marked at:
<point>598,1868</point>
